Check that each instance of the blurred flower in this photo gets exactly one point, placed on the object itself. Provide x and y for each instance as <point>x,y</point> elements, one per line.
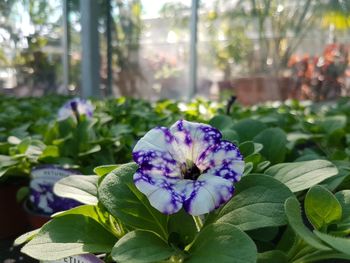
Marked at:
<point>186,166</point>
<point>75,108</point>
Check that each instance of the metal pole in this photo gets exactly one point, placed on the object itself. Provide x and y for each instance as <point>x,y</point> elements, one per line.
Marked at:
<point>193,49</point>
<point>109,20</point>
<point>90,63</point>
<point>65,44</point>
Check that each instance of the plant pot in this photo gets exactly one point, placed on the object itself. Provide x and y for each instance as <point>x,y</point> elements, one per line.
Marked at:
<point>13,221</point>
<point>256,89</point>
<point>35,219</point>
<point>42,202</point>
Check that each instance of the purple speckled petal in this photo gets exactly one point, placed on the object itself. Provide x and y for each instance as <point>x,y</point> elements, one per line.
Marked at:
<point>193,139</point>
<point>206,194</point>
<point>223,159</point>
<point>155,151</point>
<point>160,191</point>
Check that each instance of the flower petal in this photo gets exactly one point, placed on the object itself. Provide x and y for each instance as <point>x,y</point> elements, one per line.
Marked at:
<point>83,107</point>
<point>159,190</point>
<point>223,159</point>
<point>217,154</point>
<point>155,151</point>
<point>231,170</point>
<point>206,194</point>
<point>193,139</point>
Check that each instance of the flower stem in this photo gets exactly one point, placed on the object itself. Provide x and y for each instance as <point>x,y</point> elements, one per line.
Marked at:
<point>198,221</point>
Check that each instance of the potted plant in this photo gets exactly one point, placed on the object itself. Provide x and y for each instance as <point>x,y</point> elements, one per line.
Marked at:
<point>70,141</point>
<point>190,197</point>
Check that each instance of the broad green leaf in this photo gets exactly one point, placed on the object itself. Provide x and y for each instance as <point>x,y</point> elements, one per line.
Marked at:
<point>321,207</point>
<point>121,198</point>
<point>4,170</point>
<point>67,236</point>
<point>141,246</point>
<point>85,210</point>
<point>182,229</point>
<point>332,123</point>
<point>82,188</point>
<point>274,141</point>
<point>272,256</point>
<point>344,199</point>
<point>222,242</point>
<point>25,237</point>
<point>292,208</point>
<point>338,243</point>
<point>326,257</point>
<point>248,168</point>
<point>22,194</point>
<point>51,151</point>
<point>302,175</point>
<point>257,203</point>
<point>96,212</point>
<point>105,169</point>
<point>230,135</point>
<point>6,161</point>
<point>247,129</point>
<point>94,149</point>
<point>221,122</point>
<point>248,148</point>
<point>265,234</point>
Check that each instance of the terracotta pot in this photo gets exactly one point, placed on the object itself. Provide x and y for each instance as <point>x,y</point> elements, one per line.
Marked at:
<point>256,89</point>
<point>13,220</point>
<point>35,219</point>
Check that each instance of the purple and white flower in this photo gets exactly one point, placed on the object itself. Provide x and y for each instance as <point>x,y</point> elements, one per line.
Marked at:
<point>74,108</point>
<point>187,165</point>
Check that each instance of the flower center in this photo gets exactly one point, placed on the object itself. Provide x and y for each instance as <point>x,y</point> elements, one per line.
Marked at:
<point>190,171</point>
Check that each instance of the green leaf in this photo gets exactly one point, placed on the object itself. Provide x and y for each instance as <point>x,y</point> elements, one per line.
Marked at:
<point>222,242</point>
<point>85,210</point>
<point>22,194</point>
<point>230,135</point>
<point>67,236</point>
<point>248,148</point>
<point>338,243</point>
<point>6,161</point>
<point>292,208</point>
<point>343,198</point>
<point>96,212</point>
<point>221,122</point>
<point>332,123</point>
<point>25,237</point>
<point>51,151</point>
<point>258,203</point>
<point>321,207</point>
<point>247,129</point>
<point>182,229</point>
<point>105,169</point>
<point>94,149</point>
<point>265,234</point>
<point>302,175</point>
<point>274,141</point>
<point>121,198</point>
<point>141,246</point>
<point>82,188</point>
<point>272,256</point>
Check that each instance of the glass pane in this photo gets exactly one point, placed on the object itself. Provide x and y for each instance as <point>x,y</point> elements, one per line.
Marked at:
<point>30,47</point>
<point>274,50</point>
<point>150,54</point>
